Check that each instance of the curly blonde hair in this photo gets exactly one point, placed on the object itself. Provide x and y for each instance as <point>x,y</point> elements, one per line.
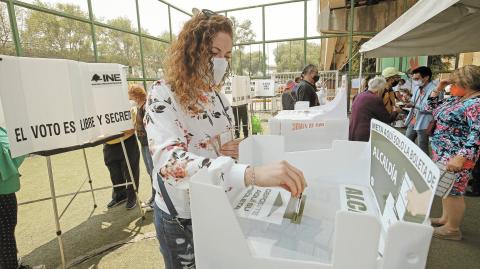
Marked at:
<point>188,67</point>
<point>137,93</point>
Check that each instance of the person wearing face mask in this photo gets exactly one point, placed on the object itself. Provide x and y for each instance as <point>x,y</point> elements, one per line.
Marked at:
<point>138,98</point>
<point>114,159</point>
<point>392,75</point>
<point>189,123</point>
<point>368,105</point>
<point>456,143</point>
<point>418,118</point>
<point>306,90</point>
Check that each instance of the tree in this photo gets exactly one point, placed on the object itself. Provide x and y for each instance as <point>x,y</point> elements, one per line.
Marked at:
<point>44,35</point>
<point>242,32</point>
<point>289,55</point>
<point>245,62</point>
<point>119,47</point>
<point>154,53</point>
<point>441,63</point>
<point>6,42</point>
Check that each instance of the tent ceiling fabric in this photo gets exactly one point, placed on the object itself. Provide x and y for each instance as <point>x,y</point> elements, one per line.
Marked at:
<point>430,28</point>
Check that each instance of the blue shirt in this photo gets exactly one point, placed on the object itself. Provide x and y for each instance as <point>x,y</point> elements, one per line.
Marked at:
<point>420,99</point>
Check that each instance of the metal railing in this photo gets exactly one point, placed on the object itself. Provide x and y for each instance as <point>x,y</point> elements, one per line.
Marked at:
<point>11,4</point>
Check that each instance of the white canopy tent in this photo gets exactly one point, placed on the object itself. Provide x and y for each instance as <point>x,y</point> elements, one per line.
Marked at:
<point>430,27</point>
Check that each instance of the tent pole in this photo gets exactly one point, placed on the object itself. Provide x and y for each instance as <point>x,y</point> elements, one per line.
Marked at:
<point>89,178</point>
<point>360,72</point>
<point>55,211</point>
<point>132,179</point>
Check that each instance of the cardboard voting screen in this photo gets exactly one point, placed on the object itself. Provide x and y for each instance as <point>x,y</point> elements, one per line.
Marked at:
<point>264,87</point>
<point>53,103</point>
<point>402,177</point>
<point>237,90</point>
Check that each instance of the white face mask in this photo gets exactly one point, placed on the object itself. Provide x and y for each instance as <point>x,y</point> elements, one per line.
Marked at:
<point>220,66</point>
<point>132,103</point>
<point>417,83</point>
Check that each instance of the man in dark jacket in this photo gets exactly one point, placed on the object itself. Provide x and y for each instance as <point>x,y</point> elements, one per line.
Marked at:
<point>306,89</point>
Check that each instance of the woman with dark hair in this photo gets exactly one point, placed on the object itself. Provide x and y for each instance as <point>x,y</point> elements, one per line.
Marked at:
<point>455,143</point>
<point>187,121</point>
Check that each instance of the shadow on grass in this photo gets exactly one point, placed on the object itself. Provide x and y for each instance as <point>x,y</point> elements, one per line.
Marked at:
<point>95,232</point>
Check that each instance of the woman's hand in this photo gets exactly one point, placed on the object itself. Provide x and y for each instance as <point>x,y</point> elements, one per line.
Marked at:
<point>455,164</point>
<point>441,87</point>
<point>280,174</point>
<point>231,148</point>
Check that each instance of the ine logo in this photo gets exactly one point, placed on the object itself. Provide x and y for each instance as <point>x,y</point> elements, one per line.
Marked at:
<point>106,79</point>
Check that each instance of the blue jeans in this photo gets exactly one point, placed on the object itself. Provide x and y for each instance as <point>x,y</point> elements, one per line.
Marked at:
<point>147,159</point>
<point>422,138</point>
<point>175,245</point>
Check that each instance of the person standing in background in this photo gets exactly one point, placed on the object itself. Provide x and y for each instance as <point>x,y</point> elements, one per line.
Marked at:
<point>288,100</point>
<point>392,75</point>
<point>306,89</point>
<point>456,143</point>
<point>367,106</point>
<point>117,166</point>
<point>9,185</point>
<point>418,118</point>
<point>138,98</point>
<point>240,114</point>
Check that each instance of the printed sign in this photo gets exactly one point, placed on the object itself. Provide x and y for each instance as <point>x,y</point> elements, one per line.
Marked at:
<point>265,204</point>
<point>356,199</point>
<point>264,87</point>
<point>53,103</point>
<point>403,177</point>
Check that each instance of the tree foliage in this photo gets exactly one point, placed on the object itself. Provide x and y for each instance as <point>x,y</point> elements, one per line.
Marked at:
<point>289,56</point>
<point>45,35</point>
<point>6,42</point>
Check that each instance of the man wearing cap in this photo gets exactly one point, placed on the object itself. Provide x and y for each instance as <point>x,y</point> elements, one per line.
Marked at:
<point>288,99</point>
<point>392,75</point>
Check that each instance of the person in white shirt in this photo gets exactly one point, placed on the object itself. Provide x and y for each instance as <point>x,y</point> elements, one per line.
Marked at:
<point>185,119</point>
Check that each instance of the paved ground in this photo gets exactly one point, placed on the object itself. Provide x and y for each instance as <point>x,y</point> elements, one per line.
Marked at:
<point>85,230</point>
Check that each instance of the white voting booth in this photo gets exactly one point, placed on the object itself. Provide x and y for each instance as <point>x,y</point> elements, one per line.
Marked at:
<point>53,106</point>
<point>264,87</point>
<point>237,90</point>
<point>366,206</point>
<point>315,127</point>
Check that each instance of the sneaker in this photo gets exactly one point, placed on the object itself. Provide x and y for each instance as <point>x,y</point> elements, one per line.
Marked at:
<point>131,204</point>
<point>443,233</point>
<point>148,204</point>
<point>116,202</point>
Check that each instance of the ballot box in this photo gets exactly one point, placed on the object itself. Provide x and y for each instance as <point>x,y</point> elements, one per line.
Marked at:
<point>366,206</point>
<point>315,127</point>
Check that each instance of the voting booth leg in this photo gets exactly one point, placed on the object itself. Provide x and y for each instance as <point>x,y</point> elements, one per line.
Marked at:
<point>55,211</point>
<point>142,213</point>
<point>89,178</point>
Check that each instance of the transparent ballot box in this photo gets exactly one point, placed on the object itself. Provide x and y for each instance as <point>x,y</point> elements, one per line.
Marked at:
<point>366,206</point>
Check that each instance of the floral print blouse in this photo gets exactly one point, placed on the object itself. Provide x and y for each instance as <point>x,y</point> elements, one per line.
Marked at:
<point>457,130</point>
<point>182,142</point>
